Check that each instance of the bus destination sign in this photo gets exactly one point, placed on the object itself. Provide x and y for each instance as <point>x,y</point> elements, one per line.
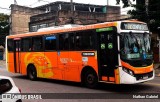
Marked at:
<point>133,26</point>
<point>104,29</point>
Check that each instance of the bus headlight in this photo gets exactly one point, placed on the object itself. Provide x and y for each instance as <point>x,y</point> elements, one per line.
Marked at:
<point>128,71</point>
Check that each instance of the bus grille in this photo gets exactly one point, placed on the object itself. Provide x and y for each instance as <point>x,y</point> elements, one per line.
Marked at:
<point>143,76</point>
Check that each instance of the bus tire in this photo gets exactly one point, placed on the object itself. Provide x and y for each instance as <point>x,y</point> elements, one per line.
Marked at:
<point>19,100</point>
<point>31,72</point>
<point>90,79</point>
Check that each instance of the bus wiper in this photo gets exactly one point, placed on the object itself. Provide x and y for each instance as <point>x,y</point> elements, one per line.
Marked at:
<point>136,41</point>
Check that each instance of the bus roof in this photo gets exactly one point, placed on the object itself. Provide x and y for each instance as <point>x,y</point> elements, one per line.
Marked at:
<point>62,29</point>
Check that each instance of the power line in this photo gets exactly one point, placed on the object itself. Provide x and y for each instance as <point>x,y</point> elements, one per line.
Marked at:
<point>5,8</point>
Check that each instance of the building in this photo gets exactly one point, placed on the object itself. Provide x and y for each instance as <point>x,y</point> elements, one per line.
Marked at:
<point>19,18</point>
<point>24,19</point>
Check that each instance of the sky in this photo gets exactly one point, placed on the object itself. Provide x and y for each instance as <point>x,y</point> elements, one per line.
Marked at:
<point>5,4</point>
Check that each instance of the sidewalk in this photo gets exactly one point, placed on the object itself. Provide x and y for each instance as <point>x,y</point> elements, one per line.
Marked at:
<point>2,63</point>
<point>157,69</point>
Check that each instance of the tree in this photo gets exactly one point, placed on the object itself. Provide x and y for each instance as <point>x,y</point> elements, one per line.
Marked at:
<point>126,3</point>
<point>151,17</point>
<point>4,28</point>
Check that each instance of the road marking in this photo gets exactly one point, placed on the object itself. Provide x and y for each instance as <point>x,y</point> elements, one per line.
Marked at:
<point>153,84</point>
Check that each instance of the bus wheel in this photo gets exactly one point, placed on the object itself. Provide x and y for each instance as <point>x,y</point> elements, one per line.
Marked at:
<point>31,72</point>
<point>90,79</point>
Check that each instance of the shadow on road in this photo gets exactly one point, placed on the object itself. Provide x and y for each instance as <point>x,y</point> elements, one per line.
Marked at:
<point>123,88</point>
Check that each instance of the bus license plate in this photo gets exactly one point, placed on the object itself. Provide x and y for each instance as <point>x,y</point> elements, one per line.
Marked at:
<point>145,77</point>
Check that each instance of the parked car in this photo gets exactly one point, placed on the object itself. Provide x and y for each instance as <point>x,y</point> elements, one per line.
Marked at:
<point>8,88</point>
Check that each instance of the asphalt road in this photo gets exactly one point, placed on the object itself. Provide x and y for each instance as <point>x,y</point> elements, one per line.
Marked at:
<point>64,88</point>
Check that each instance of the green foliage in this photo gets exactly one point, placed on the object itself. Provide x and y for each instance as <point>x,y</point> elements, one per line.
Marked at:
<point>152,17</point>
<point>126,3</point>
<point>4,28</point>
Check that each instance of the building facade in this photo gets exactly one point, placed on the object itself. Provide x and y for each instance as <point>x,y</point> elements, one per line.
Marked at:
<point>24,19</point>
<point>19,18</point>
<point>59,13</point>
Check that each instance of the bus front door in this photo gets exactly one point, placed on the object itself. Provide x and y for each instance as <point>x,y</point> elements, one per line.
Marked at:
<point>17,48</point>
<point>108,56</point>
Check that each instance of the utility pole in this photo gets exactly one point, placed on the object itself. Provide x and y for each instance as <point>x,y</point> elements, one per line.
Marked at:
<point>107,2</point>
<point>147,10</point>
<point>146,4</point>
<point>15,2</point>
<point>72,8</point>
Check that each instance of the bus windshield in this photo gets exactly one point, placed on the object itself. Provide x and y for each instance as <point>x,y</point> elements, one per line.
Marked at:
<point>136,46</point>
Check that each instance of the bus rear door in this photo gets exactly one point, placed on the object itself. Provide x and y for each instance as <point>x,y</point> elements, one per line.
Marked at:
<point>17,48</point>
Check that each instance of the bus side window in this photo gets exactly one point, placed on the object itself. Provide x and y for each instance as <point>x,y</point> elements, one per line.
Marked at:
<point>84,40</point>
<point>78,42</point>
<point>64,41</point>
<point>37,44</point>
<point>10,44</point>
<point>50,42</point>
<point>72,42</point>
<point>88,40</point>
<point>26,44</point>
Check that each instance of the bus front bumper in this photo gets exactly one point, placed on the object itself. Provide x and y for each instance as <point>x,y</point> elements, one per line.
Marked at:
<point>126,78</point>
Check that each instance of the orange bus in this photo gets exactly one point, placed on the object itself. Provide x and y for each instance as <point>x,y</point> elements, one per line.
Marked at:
<point>112,52</point>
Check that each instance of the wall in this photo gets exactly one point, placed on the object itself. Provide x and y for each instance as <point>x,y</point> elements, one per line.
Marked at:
<point>113,13</point>
<point>19,18</point>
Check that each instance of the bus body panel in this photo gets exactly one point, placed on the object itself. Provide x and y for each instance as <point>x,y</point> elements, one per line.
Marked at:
<point>125,78</point>
<point>138,70</point>
<point>10,62</point>
<point>77,62</point>
<point>68,64</point>
<point>23,63</point>
<point>51,69</point>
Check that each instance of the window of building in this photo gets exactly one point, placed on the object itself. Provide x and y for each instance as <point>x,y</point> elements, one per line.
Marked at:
<point>34,28</point>
<point>50,42</point>
<point>26,44</point>
<point>97,9</point>
<point>64,41</point>
<point>43,25</point>
<point>81,8</point>
<point>100,9</point>
<point>10,44</point>
<point>65,6</point>
<point>48,9</point>
<point>37,43</point>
